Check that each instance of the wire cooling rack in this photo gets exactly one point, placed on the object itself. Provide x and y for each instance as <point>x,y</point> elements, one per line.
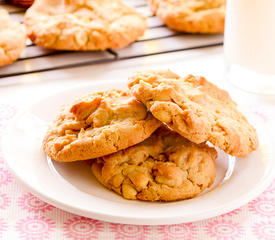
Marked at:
<point>157,40</point>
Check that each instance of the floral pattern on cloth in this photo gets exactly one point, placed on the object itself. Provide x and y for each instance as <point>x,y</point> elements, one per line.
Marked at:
<point>23,216</point>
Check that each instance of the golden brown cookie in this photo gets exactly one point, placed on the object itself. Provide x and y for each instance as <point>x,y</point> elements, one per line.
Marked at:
<point>12,39</point>
<point>194,16</point>
<point>195,108</point>
<point>165,167</point>
<point>83,24</point>
<point>98,124</point>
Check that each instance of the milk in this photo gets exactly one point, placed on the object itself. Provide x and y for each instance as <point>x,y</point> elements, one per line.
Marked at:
<point>249,43</point>
<point>250,34</point>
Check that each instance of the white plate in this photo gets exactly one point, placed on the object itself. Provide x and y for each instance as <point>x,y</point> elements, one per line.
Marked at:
<point>71,186</point>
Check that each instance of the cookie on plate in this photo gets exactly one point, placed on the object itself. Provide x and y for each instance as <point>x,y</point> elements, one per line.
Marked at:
<point>83,25</point>
<point>12,39</point>
<point>195,16</point>
<point>196,109</point>
<point>165,167</point>
<point>98,124</point>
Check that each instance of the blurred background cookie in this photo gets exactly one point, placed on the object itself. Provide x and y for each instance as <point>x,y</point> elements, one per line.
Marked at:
<point>83,25</point>
<point>23,3</point>
<point>194,16</point>
<point>12,39</point>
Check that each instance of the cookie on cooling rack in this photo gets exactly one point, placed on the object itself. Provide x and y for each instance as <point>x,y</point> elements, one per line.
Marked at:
<point>165,167</point>
<point>195,16</point>
<point>83,25</point>
<point>196,109</point>
<point>12,39</point>
<point>23,3</point>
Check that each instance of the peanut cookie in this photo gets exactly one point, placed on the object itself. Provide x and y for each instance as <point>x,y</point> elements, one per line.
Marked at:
<point>165,167</point>
<point>194,16</point>
<point>196,109</point>
<point>83,24</point>
<point>98,124</point>
<point>12,39</point>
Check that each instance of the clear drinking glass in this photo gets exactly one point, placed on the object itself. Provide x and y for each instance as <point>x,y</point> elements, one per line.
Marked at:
<point>249,45</point>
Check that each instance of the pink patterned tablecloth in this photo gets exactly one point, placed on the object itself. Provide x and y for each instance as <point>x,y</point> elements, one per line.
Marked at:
<point>24,216</point>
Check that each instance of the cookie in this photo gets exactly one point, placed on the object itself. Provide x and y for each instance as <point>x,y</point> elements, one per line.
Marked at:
<point>98,124</point>
<point>165,167</point>
<point>23,3</point>
<point>12,39</point>
<point>196,109</point>
<point>195,16</point>
<point>83,25</point>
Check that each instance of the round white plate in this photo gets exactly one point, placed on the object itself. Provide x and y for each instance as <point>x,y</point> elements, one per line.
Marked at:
<point>72,187</point>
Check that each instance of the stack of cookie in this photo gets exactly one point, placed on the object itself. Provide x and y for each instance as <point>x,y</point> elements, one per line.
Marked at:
<point>150,142</point>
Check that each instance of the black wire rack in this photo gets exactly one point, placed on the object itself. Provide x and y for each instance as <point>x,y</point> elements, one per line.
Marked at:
<point>158,39</point>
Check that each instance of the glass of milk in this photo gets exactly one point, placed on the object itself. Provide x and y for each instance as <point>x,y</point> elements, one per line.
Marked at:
<point>249,45</point>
